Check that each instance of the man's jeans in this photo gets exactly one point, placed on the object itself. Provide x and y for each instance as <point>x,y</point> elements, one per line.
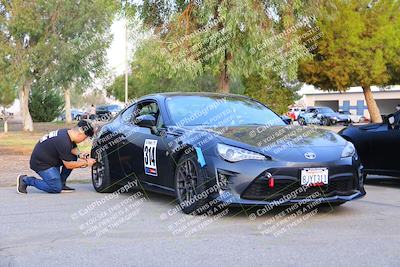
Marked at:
<point>52,179</point>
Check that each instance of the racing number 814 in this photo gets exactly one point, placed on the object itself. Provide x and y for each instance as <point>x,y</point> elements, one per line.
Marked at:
<point>150,157</point>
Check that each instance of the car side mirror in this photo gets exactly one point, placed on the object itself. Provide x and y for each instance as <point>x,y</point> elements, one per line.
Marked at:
<point>147,121</point>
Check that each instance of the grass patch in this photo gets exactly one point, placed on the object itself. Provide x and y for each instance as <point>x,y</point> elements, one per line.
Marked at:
<point>24,142</point>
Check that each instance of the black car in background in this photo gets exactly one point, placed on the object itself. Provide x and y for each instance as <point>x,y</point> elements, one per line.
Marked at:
<point>201,147</point>
<point>106,112</point>
<point>378,145</point>
<point>322,116</point>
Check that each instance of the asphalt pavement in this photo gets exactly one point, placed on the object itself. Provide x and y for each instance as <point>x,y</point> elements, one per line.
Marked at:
<point>136,228</point>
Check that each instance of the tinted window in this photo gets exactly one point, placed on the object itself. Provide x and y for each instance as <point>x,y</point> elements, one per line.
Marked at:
<point>219,111</point>
<point>127,114</point>
<point>325,110</point>
<point>397,117</point>
<point>150,108</point>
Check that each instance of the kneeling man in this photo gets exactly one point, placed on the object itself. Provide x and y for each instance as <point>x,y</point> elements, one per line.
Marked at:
<point>54,157</point>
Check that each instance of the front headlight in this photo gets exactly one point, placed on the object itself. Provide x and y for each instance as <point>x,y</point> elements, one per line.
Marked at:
<point>348,150</point>
<point>234,154</point>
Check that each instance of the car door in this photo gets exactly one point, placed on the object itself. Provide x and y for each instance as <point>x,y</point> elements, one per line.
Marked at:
<point>312,116</point>
<point>384,145</point>
<point>146,153</point>
<point>392,144</point>
<point>126,143</point>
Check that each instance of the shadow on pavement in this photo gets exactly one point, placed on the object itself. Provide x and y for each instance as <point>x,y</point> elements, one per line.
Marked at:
<point>388,181</point>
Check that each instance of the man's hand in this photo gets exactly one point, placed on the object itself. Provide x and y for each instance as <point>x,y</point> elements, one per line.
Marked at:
<point>83,155</point>
<point>80,163</point>
<point>90,162</point>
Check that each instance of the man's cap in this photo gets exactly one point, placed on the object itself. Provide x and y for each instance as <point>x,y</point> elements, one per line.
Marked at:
<point>87,127</point>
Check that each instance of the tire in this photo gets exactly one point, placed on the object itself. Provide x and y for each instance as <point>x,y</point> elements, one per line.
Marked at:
<point>326,122</point>
<point>101,178</point>
<point>302,121</point>
<point>189,181</point>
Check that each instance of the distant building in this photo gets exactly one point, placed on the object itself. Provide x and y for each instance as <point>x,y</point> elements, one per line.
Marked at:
<point>352,100</point>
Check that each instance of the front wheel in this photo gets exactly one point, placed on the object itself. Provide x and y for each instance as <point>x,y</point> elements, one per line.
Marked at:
<point>302,121</point>
<point>101,178</point>
<point>190,185</point>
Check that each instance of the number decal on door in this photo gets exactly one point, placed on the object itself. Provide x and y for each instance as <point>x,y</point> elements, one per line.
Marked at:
<point>150,157</point>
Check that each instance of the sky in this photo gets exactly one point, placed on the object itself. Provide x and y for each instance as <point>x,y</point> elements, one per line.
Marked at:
<point>116,52</point>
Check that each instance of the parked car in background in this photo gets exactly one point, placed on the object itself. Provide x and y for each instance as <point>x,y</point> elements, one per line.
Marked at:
<point>294,112</point>
<point>354,118</point>
<point>322,116</point>
<point>76,115</point>
<point>5,114</point>
<point>106,112</point>
<point>377,145</point>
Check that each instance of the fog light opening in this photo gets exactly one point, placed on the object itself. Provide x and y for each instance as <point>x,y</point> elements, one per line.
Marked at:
<point>222,181</point>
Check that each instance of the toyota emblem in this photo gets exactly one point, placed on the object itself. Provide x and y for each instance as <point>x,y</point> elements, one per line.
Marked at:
<point>310,155</point>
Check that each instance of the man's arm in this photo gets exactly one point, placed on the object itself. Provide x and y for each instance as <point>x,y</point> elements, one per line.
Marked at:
<point>75,151</point>
<point>80,163</point>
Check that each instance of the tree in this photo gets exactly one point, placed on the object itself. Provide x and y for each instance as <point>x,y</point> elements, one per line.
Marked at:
<point>7,97</point>
<point>232,40</point>
<point>360,46</point>
<point>38,36</point>
<point>277,96</point>
<point>151,75</point>
<point>45,104</point>
<point>82,44</point>
<point>220,45</point>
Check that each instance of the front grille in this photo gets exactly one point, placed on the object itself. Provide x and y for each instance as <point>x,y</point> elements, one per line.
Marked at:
<point>259,190</point>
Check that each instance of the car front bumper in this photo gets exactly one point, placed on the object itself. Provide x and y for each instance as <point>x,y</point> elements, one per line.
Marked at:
<point>340,120</point>
<point>247,182</point>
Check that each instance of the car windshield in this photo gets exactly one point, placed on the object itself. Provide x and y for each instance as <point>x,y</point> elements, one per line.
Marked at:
<point>325,110</point>
<point>193,110</point>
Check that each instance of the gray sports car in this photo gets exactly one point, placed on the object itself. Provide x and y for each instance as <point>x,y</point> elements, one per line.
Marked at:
<point>206,148</point>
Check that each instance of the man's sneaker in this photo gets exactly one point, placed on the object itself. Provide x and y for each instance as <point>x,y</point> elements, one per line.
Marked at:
<point>67,189</point>
<point>21,185</point>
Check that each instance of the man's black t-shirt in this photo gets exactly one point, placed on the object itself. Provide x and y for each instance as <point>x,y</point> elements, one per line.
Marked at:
<point>51,150</point>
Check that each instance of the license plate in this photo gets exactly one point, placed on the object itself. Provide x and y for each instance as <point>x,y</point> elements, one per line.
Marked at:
<point>314,176</point>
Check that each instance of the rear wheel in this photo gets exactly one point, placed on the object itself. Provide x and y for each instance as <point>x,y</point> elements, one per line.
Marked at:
<point>101,175</point>
<point>326,122</point>
<point>190,183</point>
<point>302,121</point>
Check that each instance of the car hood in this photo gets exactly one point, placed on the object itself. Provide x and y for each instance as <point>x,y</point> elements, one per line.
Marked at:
<point>283,142</point>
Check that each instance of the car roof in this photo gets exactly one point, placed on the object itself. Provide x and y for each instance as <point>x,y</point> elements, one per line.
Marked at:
<point>320,107</point>
<point>171,94</point>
